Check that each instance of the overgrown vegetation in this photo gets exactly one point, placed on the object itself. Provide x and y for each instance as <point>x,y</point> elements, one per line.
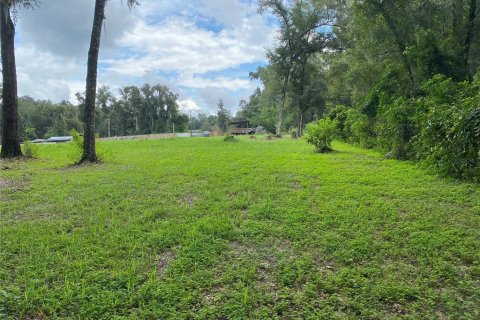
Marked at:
<point>398,76</point>
<point>202,229</point>
<point>440,129</point>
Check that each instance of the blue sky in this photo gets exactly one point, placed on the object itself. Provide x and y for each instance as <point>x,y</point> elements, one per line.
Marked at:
<point>202,49</point>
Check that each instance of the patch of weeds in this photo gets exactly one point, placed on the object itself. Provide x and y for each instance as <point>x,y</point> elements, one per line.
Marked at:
<point>189,199</point>
<point>103,152</point>
<point>229,138</point>
<point>30,150</point>
<point>5,183</point>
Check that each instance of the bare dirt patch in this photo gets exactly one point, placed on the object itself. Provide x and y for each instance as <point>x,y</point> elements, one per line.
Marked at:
<point>5,183</point>
<point>14,185</point>
<point>163,262</point>
<point>188,199</point>
<point>324,265</point>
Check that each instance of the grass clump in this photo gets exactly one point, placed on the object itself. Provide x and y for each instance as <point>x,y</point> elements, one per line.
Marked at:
<point>229,137</point>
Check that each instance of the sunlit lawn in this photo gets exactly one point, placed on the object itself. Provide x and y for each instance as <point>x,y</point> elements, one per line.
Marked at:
<point>201,228</point>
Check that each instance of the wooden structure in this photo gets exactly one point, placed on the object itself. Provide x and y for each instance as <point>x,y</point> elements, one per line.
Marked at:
<point>240,127</point>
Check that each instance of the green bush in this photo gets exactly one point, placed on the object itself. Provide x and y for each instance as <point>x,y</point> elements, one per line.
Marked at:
<point>339,113</point>
<point>396,126</point>
<point>449,139</point>
<point>321,134</point>
<point>359,129</point>
<point>30,150</point>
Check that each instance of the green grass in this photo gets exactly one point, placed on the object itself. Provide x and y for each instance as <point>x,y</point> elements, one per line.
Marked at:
<point>204,229</point>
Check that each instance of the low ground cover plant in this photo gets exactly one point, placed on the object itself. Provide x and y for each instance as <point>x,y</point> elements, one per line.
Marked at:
<point>186,228</point>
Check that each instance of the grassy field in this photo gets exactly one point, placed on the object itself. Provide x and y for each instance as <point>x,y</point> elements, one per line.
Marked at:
<point>254,229</point>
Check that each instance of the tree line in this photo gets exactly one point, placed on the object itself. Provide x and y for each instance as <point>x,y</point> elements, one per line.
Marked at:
<point>135,110</point>
<point>400,76</point>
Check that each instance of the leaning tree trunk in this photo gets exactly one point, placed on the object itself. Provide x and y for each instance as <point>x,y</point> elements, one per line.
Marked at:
<point>89,153</point>
<point>10,136</point>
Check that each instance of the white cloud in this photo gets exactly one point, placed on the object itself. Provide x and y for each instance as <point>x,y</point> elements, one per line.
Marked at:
<point>191,46</point>
<point>187,105</point>
<point>45,76</point>
<point>231,84</point>
<point>179,45</point>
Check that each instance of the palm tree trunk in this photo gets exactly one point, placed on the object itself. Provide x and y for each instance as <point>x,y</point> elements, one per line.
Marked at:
<point>89,153</point>
<point>10,136</point>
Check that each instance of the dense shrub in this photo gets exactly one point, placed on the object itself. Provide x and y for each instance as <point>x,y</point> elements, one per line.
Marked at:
<point>339,113</point>
<point>396,125</point>
<point>321,134</point>
<point>440,129</point>
<point>353,126</point>
<point>390,86</point>
<point>359,129</point>
<point>449,139</point>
